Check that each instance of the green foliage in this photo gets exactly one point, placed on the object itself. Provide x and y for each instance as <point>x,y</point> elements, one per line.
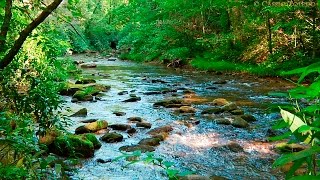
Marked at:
<point>172,173</point>
<point>303,122</point>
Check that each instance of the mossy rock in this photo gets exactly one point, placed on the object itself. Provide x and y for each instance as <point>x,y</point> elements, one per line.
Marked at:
<point>249,118</point>
<point>239,123</point>
<point>112,137</point>
<point>142,148</point>
<point>96,143</point>
<point>160,130</point>
<point>170,103</point>
<point>74,146</point>
<point>83,96</point>
<point>220,102</point>
<point>92,127</point>
<point>212,111</point>
<point>85,81</point>
<point>80,113</point>
<point>285,147</point>
<point>150,141</point>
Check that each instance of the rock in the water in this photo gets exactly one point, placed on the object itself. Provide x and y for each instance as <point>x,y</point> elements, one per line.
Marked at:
<point>80,113</point>
<point>239,123</point>
<point>133,99</point>
<point>220,102</point>
<point>74,100</point>
<point>92,138</point>
<point>158,81</point>
<point>112,137</point>
<point>85,81</point>
<point>160,130</point>
<point>212,111</point>
<point>120,127</point>
<point>92,127</point>
<point>211,87</point>
<point>123,93</point>
<point>194,177</point>
<point>112,59</point>
<point>186,109</point>
<point>248,118</point>
<point>223,121</point>
<point>135,119</point>
<point>220,82</point>
<point>89,121</point>
<point>144,124</point>
<point>119,113</point>
<point>235,147</point>
<point>91,65</point>
<point>150,141</point>
<point>102,161</point>
<point>171,103</point>
<point>237,112</point>
<point>131,131</point>
<point>74,146</point>
<point>142,148</point>
<point>230,107</point>
<point>152,93</point>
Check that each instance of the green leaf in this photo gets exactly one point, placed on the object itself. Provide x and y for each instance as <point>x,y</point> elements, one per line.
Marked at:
<point>172,172</point>
<point>284,159</point>
<point>297,164</point>
<point>281,137</point>
<point>306,177</point>
<point>57,168</point>
<point>168,164</point>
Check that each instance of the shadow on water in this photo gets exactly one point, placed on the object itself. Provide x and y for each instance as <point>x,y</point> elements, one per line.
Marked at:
<point>197,147</point>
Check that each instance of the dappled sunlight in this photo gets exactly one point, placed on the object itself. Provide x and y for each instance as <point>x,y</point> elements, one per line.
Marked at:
<point>260,147</point>
<point>195,141</point>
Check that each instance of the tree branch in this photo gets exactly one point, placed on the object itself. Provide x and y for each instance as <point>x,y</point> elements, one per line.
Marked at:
<point>6,24</point>
<point>26,32</point>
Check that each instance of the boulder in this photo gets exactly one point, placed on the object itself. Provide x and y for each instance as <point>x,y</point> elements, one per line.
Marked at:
<point>120,127</point>
<point>248,118</point>
<point>80,146</point>
<point>135,119</point>
<point>286,147</point>
<point>92,127</point>
<point>171,103</point>
<point>85,81</point>
<point>80,113</point>
<point>150,141</point>
<point>239,123</point>
<point>152,93</point>
<point>131,131</point>
<point>82,96</point>
<point>220,82</point>
<point>133,99</point>
<point>212,111</point>
<point>142,148</point>
<point>230,107</point>
<point>160,130</point>
<point>112,137</point>
<point>186,109</point>
<point>222,121</point>
<point>88,65</point>
<point>144,124</point>
<point>237,112</point>
<point>123,93</point>
<point>220,102</point>
<point>119,113</point>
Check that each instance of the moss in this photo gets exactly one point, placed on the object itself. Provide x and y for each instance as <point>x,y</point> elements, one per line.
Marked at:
<point>73,146</point>
<point>92,138</point>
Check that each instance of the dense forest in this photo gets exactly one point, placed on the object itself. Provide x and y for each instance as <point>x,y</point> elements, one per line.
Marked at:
<point>39,40</point>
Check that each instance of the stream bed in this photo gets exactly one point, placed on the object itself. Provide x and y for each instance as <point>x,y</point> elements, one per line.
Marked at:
<point>197,142</point>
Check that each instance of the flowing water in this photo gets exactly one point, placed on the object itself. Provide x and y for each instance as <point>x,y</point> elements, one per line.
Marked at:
<point>192,147</point>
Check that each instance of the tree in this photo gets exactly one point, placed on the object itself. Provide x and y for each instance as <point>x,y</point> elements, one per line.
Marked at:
<point>23,35</point>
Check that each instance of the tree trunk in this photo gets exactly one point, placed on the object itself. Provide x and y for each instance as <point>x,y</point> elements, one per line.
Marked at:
<point>6,24</point>
<point>270,33</point>
<point>8,58</point>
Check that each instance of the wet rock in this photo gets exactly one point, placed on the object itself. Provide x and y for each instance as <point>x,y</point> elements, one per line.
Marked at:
<point>69,89</point>
<point>89,65</point>
<point>78,62</point>
<point>120,127</point>
<point>82,96</point>
<point>133,99</point>
<point>142,148</point>
<point>74,146</point>
<point>135,119</point>
<point>80,113</point>
<point>85,81</point>
<point>186,109</point>
<point>285,147</point>
<point>123,93</point>
<point>158,81</point>
<point>237,112</point>
<point>230,107</point>
<point>235,147</point>
<point>171,103</point>
<point>144,124</point>
<point>249,118</point>
<point>74,100</point>
<point>220,82</point>
<point>102,161</point>
<point>152,93</point>
<point>220,102</point>
<point>150,141</point>
<point>111,59</point>
<point>131,131</point>
<point>211,87</point>
<point>223,121</point>
<point>112,137</point>
<point>119,113</point>
<point>91,127</point>
<point>166,91</point>
<point>212,111</point>
<point>188,91</point>
<point>92,138</point>
<point>239,123</point>
<point>159,130</point>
